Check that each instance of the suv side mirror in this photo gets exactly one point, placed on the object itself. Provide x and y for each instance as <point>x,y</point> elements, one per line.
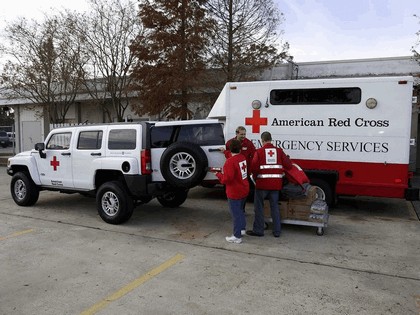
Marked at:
<point>40,147</point>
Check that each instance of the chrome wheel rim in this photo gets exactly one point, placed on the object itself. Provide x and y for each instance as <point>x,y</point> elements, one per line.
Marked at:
<point>20,189</point>
<point>320,194</point>
<point>110,203</point>
<point>182,165</point>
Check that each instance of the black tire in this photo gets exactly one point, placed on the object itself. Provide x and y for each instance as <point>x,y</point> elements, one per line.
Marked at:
<point>114,204</point>
<point>173,199</point>
<point>24,191</point>
<point>325,190</point>
<point>183,165</point>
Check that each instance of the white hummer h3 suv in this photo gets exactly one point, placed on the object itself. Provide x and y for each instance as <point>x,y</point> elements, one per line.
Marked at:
<point>122,164</point>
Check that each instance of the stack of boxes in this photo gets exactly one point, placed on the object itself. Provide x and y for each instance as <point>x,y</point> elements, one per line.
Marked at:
<point>308,208</point>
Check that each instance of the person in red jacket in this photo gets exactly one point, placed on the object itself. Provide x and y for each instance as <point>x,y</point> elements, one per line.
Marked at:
<point>247,147</point>
<point>235,179</point>
<point>247,150</point>
<point>267,169</point>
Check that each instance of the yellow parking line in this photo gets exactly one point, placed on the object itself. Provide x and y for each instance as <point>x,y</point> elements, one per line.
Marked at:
<point>16,234</point>
<point>132,285</point>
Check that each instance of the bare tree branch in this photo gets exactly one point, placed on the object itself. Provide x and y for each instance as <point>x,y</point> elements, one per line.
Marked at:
<point>246,38</point>
<point>45,64</point>
<point>108,31</point>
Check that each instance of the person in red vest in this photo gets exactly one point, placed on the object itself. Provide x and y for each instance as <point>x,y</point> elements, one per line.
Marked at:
<point>235,179</point>
<point>267,169</point>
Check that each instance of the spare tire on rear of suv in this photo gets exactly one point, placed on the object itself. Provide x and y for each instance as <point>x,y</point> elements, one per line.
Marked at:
<point>183,164</point>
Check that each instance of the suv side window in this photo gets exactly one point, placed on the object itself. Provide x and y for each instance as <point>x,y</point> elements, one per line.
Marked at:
<point>122,139</point>
<point>161,136</point>
<point>59,141</point>
<point>211,134</point>
<point>90,140</point>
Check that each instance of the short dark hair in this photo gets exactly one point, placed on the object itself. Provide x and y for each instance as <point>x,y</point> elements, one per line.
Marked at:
<point>235,146</point>
<point>239,129</point>
<point>266,136</point>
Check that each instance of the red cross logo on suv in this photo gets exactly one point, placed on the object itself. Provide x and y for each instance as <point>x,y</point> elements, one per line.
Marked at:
<point>55,163</point>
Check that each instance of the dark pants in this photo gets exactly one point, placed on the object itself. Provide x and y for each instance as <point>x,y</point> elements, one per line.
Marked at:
<point>236,207</point>
<point>273,197</point>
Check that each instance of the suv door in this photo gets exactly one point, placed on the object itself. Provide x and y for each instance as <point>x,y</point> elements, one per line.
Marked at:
<point>88,152</point>
<point>55,168</point>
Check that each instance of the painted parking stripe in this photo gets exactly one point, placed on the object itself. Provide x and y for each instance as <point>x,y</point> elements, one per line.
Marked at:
<point>133,285</point>
<point>16,234</point>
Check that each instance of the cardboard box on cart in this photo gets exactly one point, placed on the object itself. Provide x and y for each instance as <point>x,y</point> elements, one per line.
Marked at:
<point>294,209</point>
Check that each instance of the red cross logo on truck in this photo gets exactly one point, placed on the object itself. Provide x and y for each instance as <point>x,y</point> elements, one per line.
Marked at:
<point>55,163</point>
<point>256,121</point>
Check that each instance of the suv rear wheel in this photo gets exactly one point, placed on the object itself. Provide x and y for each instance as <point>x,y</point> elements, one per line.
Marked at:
<point>184,165</point>
<point>114,205</point>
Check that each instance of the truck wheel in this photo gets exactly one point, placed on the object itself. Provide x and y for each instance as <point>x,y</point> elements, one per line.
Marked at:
<point>183,165</point>
<point>324,190</point>
<point>114,205</point>
<point>173,199</point>
<point>23,189</point>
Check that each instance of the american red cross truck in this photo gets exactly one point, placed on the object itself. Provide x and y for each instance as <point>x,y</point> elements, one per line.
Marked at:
<point>350,135</point>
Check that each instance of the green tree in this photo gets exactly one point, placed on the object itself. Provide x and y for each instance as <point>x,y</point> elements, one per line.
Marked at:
<point>245,42</point>
<point>170,56</point>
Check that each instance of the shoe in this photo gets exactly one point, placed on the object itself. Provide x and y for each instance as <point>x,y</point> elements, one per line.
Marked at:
<point>252,233</point>
<point>276,234</point>
<point>233,239</point>
<point>243,232</point>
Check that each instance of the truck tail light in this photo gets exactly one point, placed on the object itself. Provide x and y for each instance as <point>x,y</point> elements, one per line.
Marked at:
<point>146,162</point>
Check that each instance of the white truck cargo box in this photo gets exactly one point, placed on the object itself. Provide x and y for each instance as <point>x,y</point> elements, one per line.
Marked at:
<point>350,135</point>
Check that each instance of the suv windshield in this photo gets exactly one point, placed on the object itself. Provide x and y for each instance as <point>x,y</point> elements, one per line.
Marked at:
<point>203,135</point>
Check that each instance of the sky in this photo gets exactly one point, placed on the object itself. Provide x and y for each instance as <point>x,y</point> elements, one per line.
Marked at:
<point>317,30</point>
<point>320,30</point>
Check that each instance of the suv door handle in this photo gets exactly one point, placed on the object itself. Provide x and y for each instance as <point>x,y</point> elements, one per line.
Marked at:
<point>66,153</point>
<point>96,153</point>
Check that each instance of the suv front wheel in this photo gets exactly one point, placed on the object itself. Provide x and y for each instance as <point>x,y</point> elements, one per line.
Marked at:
<point>114,204</point>
<point>23,190</point>
<point>184,165</point>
